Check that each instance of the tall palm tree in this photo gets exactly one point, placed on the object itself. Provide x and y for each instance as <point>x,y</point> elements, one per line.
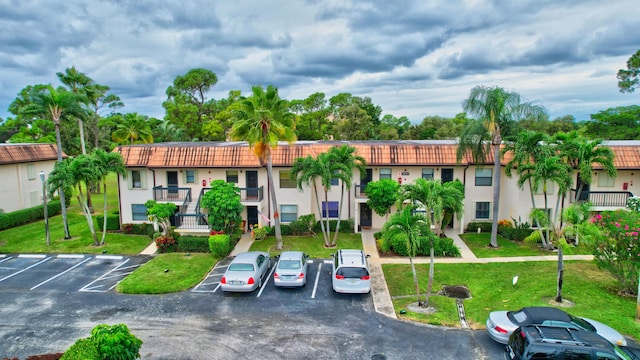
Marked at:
<point>305,172</point>
<point>526,148</point>
<point>263,120</point>
<point>345,155</point>
<point>107,163</point>
<point>77,83</point>
<point>83,169</point>
<point>410,227</point>
<point>133,129</point>
<point>53,104</point>
<point>496,109</point>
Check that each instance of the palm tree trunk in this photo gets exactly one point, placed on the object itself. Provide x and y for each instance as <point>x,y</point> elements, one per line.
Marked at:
<point>496,195</point>
<point>104,223</point>
<point>63,203</point>
<point>431,270</point>
<point>274,202</point>
<point>536,220</point>
<point>335,236</point>
<point>326,213</point>
<point>87,215</point>
<point>324,233</point>
<point>415,279</point>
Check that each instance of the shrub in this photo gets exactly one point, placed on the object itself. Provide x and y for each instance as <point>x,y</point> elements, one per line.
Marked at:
<point>196,244</point>
<point>441,246</point>
<point>303,225</point>
<point>116,342</point>
<point>377,235</point>
<point>260,233</point>
<point>82,349</point>
<point>484,226</point>
<point>25,216</point>
<point>346,226</point>
<point>220,245</point>
<point>139,229</point>
<point>166,243</point>
<point>504,223</point>
<point>113,221</point>
<point>518,232</point>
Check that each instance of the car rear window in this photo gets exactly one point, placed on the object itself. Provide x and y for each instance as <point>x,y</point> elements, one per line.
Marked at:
<point>542,353</point>
<point>241,267</point>
<point>289,264</point>
<point>352,272</point>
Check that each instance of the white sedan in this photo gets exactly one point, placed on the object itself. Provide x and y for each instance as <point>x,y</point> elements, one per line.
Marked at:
<point>246,272</point>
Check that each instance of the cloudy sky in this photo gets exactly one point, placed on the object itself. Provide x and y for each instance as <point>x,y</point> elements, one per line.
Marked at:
<point>413,58</point>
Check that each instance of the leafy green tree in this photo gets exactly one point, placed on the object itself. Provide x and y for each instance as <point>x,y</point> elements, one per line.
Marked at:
<point>345,160</point>
<point>77,82</point>
<point>160,214</point>
<point>49,103</point>
<point>410,227</point>
<point>314,116</point>
<point>116,342</point>
<point>382,195</point>
<point>263,120</point>
<point>223,205</point>
<point>106,163</point>
<point>353,123</point>
<point>629,78</point>
<point>132,128</point>
<point>619,123</point>
<point>497,110</point>
<point>187,105</point>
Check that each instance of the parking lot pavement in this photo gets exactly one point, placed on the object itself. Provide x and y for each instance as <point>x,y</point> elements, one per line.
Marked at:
<point>66,272</point>
<point>318,285</point>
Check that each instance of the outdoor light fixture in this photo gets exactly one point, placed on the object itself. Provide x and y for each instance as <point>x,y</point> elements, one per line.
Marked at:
<point>46,210</point>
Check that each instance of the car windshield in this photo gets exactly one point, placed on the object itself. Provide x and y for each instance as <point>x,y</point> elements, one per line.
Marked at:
<point>241,267</point>
<point>581,323</point>
<point>519,316</point>
<point>289,264</point>
<point>352,272</point>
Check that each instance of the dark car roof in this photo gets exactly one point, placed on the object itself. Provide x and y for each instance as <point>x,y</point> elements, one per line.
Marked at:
<point>539,314</point>
<point>554,334</point>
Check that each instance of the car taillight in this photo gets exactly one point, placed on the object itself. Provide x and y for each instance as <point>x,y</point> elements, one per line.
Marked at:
<point>501,330</point>
<point>250,281</point>
<point>223,280</point>
<point>276,276</point>
<point>339,277</point>
<point>301,276</point>
<point>366,277</point>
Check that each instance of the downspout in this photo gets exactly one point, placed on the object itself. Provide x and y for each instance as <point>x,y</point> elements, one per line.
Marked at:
<point>464,184</point>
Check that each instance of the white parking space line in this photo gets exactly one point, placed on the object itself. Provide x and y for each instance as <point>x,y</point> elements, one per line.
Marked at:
<point>70,256</point>
<point>25,269</point>
<point>5,259</point>
<point>273,269</point>
<point>315,284</point>
<point>211,274</point>
<point>109,257</point>
<point>32,256</point>
<point>62,273</point>
<point>88,287</point>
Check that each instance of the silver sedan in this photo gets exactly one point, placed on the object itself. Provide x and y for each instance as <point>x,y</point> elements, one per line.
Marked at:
<point>291,269</point>
<point>501,324</point>
<point>246,272</point>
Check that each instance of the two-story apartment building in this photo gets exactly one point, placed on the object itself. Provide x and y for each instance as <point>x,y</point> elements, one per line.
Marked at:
<point>20,167</point>
<point>181,172</point>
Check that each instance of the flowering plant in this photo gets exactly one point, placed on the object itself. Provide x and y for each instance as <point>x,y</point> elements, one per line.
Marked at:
<point>166,243</point>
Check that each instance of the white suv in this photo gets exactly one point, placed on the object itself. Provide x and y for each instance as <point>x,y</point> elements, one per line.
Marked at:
<point>350,272</point>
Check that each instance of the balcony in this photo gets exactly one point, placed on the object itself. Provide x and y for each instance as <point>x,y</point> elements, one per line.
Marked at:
<point>172,194</point>
<point>359,192</point>
<point>251,194</point>
<point>603,199</point>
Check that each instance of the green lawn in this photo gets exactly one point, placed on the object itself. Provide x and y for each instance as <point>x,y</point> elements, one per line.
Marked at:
<point>478,245</point>
<point>591,290</point>
<point>314,246</point>
<point>30,238</point>
<point>167,273</point>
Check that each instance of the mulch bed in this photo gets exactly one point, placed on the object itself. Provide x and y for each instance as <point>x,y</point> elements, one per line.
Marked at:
<point>55,356</point>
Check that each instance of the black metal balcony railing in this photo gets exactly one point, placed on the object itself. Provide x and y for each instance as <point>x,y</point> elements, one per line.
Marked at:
<point>602,198</point>
<point>359,191</point>
<point>191,221</point>
<point>251,194</point>
<point>174,194</point>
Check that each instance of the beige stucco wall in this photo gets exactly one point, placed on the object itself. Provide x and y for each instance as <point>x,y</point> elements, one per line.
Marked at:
<point>18,191</point>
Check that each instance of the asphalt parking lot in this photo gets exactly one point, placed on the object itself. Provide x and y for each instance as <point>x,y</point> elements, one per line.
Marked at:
<point>66,272</point>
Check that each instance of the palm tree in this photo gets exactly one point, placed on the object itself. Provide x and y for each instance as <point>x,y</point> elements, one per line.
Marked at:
<point>107,163</point>
<point>51,103</point>
<point>83,169</point>
<point>410,227</point>
<point>305,171</point>
<point>346,157</point>
<point>496,110</point>
<point>526,148</point>
<point>77,83</point>
<point>263,120</point>
<point>133,129</point>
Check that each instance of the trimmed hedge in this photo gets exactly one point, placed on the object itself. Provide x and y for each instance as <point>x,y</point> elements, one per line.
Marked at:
<point>346,226</point>
<point>25,216</point>
<point>194,244</point>
<point>113,221</point>
<point>220,245</point>
<point>485,226</point>
<point>139,229</point>
<point>441,246</point>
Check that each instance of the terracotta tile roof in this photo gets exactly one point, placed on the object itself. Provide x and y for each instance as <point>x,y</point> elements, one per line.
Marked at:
<point>376,153</point>
<point>22,153</point>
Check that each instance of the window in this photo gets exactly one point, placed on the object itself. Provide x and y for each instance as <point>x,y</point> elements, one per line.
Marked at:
<point>427,173</point>
<point>334,180</point>
<point>288,213</point>
<point>550,188</point>
<point>385,173</point>
<point>482,210</point>
<point>139,212</point>
<point>137,179</point>
<point>232,176</point>
<point>31,171</point>
<point>332,208</point>
<point>604,180</point>
<point>483,177</point>
<point>190,177</point>
<point>285,181</point>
